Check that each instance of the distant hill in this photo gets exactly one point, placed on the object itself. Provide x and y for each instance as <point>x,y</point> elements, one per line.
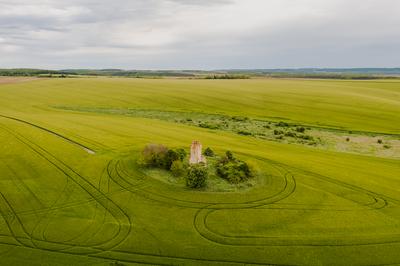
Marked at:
<point>328,73</point>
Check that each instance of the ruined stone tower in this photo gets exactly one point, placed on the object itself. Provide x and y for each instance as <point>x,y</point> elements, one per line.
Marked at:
<point>195,153</point>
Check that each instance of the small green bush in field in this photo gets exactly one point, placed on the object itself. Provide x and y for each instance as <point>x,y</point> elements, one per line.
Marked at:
<point>300,129</point>
<point>290,134</point>
<point>182,153</point>
<point>306,137</point>
<point>244,133</point>
<point>229,155</point>
<point>154,155</point>
<point>178,168</point>
<point>158,155</point>
<point>282,124</point>
<point>208,125</point>
<point>197,176</point>
<point>233,170</point>
<point>171,157</point>
<point>209,152</point>
<point>239,118</point>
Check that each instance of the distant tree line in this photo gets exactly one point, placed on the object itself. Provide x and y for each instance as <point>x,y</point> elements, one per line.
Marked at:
<point>347,76</point>
<point>227,76</point>
<point>22,72</point>
<point>237,74</point>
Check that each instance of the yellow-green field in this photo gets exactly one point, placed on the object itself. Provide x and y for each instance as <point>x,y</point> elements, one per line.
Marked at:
<point>71,192</point>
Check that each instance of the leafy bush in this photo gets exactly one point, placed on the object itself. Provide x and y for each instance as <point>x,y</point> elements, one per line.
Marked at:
<point>244,133</point>
<point>171,157</point>
<point>233,170</point>
<point>197,176</point>
<point>209,152</point>
<point>229,155</point>
<point>208,125</point>
<point>306,137</point>
<point>154,155</point>
<point>300,129</point>
<point>282,124</point>
<point>239,118</point>
<point>386,146</point>
<point>278,132</point>
<point>177,168</point>
<point>182,153</point>
<point>158,155</point>
<point>290,134</point>
<point>380,141</point>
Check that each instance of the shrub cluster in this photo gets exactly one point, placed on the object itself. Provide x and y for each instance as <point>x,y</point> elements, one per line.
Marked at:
<point>300,129</point>
<point>282,124</point>
<point>178,168</point>
<point>197,176</point>
<point>244,133</point>
<point>160,156</point>
<point>209,152</point>
<point>239,118</point>
<point>306,137</point>
<point>228,167</point>
<point>154,155</point>
<point>208,125</point>
<point>233,170</point>
<point>290,134</point>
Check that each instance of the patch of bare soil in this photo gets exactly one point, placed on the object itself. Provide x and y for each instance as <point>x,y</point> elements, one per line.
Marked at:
<point>10,80</point>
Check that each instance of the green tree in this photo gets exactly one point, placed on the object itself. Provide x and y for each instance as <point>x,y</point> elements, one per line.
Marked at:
<point>209,152</point>
<point>229,155</point>
<point>178,168</point>
<point>197,176</point>
<point>171,157</point>
<point>154,155</point>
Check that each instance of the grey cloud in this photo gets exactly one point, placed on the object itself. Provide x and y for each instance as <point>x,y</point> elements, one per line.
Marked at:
<point>199,34</point>
<point>202,2</point>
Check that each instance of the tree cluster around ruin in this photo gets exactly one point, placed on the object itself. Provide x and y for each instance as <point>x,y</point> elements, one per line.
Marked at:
<point>195,170</point>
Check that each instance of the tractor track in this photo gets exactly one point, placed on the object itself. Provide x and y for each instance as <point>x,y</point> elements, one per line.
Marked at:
<point>50,132</point>
<point>118,175</point>
<point>84,184</point>
<point>200,224</point>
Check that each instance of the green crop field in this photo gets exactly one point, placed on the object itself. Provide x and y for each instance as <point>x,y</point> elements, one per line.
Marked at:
<point>72,193</point>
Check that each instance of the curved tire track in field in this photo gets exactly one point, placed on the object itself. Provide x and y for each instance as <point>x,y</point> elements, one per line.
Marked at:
<point>200,219</point>
<point>47,210</point>
<point>212,208</point>
<point>144,258</point>
<point>124,180</point>
<point>119,215</point>
<point>379,202</point>
<point>86,148</point>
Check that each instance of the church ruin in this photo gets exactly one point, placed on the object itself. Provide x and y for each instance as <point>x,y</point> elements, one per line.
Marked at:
<point>196,155</point>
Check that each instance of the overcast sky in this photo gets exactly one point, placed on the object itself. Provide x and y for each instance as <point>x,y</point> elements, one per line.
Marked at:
<point>199,34</point>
